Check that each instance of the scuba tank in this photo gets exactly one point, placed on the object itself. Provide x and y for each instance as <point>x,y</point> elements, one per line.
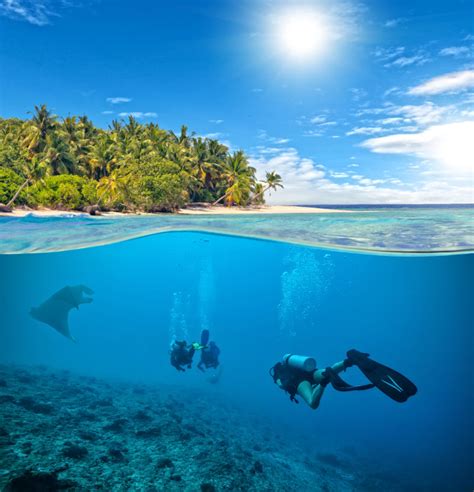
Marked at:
<point>301,362</point>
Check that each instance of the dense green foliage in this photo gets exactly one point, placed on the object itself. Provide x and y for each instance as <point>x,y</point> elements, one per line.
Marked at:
<point>71,164</point>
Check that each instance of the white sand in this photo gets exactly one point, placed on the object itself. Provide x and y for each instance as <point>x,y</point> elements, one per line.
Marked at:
<point>204,210</point>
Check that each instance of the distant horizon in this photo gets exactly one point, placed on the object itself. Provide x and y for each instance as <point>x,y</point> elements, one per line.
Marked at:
<point>386,205</point>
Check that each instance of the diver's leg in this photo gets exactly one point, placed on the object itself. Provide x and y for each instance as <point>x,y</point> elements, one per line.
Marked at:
<point>310,394</point>
<point>319,376</point>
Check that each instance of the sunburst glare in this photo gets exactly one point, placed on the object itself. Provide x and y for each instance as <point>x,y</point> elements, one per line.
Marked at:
<point>302,35</point>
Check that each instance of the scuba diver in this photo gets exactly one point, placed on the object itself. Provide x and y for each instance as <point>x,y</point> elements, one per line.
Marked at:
<point>209,354</point>
<point>298,375</point>
<point>181,354</point>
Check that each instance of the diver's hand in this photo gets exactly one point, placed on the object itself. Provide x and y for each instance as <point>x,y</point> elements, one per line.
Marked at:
<point>198,346</point>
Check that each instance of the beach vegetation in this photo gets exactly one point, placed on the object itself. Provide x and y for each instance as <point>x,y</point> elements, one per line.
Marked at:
<point>71,164</point>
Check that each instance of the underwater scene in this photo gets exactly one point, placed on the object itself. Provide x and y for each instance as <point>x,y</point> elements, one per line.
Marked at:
<point>102,398</point>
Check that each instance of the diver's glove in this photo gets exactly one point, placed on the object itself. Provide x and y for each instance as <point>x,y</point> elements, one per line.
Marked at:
<point>326,377</point>
<point>347,363</point>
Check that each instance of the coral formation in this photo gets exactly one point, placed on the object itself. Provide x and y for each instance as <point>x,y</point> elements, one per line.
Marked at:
<point>60,431</point>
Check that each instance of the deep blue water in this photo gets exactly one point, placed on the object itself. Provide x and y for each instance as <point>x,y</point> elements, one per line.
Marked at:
<point>260,300</point>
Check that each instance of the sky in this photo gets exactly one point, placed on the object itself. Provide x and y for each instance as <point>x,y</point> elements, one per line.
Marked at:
<point>350,102</point>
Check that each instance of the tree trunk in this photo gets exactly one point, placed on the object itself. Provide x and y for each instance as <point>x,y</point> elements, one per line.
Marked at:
<point>15,196</point>
<point>262,192</point>
<point>222,198</point>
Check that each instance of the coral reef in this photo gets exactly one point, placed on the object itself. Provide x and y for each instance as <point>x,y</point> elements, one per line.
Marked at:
<point>60,431</point>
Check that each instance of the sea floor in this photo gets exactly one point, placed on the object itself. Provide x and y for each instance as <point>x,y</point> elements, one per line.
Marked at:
<point>62,431</point>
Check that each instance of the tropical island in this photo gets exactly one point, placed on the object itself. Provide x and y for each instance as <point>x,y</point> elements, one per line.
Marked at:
<point>70,164</point>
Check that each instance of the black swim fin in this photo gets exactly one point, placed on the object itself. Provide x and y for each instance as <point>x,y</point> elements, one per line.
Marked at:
<point>204,337</point>
<point>340,385</point>
<point>392,383</point>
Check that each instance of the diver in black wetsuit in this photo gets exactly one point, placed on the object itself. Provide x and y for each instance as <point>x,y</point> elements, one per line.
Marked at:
<point>181,354</point>
<point>209,357</point>
<point>298,375</point>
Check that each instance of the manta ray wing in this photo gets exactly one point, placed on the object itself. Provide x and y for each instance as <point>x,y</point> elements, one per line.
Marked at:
<point>55,310</point>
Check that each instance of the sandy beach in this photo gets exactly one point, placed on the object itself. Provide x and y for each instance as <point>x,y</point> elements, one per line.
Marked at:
<point>197,210</point>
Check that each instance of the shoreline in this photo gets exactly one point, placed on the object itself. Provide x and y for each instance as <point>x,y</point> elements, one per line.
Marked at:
<point>200,210</point>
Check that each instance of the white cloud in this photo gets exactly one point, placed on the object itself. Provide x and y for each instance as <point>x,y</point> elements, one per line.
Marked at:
<point>390,121</point>
<point>138,114</point>
<point>320,121</point>
<point>423,114</point>
<point>118,100</point>
<point>384,54</point>
<point>365,111</point>
<point>305,183</point>
<point>366,130</point>
<point>455,51</point>
<point>450,82</point>
<point>316,120</point>
<point>338,175</point>
<point>451,145</point>
<point>263,135</point>
<point>393,90</point>
<point>313,133</point>
<point>257,90</point>
<point>394,22</point>
<point>107,112</point>
<point>398,57</point>
<point>37,13</point>
<point>215,135</point>
<point>216,122</point>
<point>371,182</point>
<point>358,94</point>
<point>405,61</point>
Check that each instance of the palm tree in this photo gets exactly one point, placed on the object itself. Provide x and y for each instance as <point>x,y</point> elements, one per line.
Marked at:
<point>112,187</point>
<point>38,128</point>
<point>34,170</point>
<point>57,154</point>
<point>272,182</point>
<point>238,176</point>
<point>102,157</point>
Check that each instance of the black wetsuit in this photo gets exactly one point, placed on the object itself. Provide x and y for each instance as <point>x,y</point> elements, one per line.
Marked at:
<point>291,378</point>
<point>182,355</point>
<point>209,357</point>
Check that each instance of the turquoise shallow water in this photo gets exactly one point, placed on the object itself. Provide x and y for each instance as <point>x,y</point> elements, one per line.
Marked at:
<point>408,230</point>
<point>259,299</point>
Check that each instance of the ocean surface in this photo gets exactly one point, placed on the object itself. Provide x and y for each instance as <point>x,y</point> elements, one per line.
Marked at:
<point>109,412</point>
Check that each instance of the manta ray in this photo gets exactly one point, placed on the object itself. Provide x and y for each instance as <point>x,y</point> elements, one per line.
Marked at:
<point>55,310</point>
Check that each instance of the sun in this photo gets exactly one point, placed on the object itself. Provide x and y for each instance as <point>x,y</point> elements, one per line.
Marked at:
<point>302,35</point>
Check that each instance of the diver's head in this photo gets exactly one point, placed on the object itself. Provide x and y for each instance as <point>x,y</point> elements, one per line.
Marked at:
<point>179,344</point>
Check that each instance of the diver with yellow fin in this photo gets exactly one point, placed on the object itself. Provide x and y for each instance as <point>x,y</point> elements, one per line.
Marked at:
<point>209,354</point>
<point>298,375</point>
<point>181,354</point>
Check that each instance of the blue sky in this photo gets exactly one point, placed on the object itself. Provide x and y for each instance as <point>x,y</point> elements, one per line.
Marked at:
<point>350,102</point>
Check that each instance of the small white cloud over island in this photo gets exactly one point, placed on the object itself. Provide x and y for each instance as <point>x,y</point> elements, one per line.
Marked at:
<point>118,100</point>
